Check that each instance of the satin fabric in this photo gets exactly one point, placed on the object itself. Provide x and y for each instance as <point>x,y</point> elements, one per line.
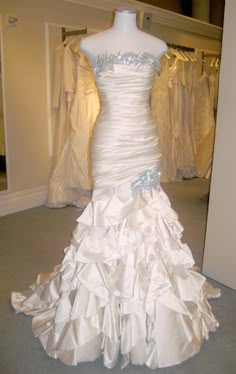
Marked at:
<point>125,140</point>
<point>127,283</point>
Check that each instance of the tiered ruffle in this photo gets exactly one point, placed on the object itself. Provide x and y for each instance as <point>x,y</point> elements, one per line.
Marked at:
<point>126,285</point>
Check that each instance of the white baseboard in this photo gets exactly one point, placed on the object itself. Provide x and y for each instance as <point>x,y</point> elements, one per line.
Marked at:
<point>12,202</point>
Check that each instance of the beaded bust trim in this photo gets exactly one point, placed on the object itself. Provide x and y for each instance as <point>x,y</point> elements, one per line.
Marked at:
<point>106,61</point>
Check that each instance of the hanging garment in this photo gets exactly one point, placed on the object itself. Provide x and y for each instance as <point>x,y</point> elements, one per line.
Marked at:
<point>60,103</point>
<point>179,108</point>
<point>204,126</point>
<point>191,77</point>
<point>204,111</point>
<point>173,102</point>
<point>2,137</point>
<point>71,183</point>
<point>214,87</point>
<point>183,105</point>
<point>127,283</point>
<point>160,104</point>
<point>217,79</point>
<point>204,156</point>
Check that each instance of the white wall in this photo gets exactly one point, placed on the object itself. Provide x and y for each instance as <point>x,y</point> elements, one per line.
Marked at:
<point>220,248</point>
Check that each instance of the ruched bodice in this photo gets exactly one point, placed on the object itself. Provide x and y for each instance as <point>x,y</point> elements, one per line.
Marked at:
<point>117,88</point>
<point>125,140</point>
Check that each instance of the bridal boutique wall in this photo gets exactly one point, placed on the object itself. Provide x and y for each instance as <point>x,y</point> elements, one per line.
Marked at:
<point>25,89</point>
<point>220,254</point>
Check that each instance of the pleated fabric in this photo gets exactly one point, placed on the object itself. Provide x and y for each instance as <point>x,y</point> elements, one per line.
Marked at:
<point>125,140</point>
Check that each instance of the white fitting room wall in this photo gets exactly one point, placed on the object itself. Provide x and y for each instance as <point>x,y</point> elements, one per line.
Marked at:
<point>25,91</point>
<point>220,249</point>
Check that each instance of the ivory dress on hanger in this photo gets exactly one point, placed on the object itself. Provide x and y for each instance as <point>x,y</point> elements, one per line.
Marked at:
<point>204,110</point>
<point>179,106</point>
<point>70,183</point>
<point>205,126</point>
<point>2,137</point>
<point>127,283</point>
<point>161,111</point>
<point>204,155</point>
<point>61,101</point>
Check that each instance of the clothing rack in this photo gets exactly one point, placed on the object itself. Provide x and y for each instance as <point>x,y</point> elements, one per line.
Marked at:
<point>206,54</point>
<point>73,32</point>
<point>181,47</point>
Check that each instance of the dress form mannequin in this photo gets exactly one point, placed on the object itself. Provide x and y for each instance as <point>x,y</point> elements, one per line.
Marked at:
<point>123,36</point>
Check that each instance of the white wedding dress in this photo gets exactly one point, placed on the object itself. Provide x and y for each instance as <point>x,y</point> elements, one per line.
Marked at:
<point>127,283</point>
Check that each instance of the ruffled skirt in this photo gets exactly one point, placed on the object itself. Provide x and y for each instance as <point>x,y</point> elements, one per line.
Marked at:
<point>126,286</point>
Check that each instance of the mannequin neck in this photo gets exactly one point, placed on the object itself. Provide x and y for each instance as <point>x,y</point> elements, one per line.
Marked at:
<point>125,21</point>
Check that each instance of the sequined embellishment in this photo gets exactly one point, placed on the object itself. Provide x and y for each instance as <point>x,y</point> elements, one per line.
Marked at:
<point>147,181</point>
<point>106,61</point>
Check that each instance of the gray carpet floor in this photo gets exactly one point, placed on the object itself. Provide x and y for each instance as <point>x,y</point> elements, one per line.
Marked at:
<point>32,242</point>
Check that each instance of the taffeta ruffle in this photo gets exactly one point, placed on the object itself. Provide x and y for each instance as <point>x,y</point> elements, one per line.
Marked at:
<point>127,285</point>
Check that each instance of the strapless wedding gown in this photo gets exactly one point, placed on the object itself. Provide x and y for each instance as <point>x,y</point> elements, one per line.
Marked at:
<point>127,284</point>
